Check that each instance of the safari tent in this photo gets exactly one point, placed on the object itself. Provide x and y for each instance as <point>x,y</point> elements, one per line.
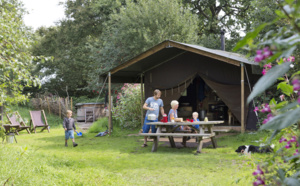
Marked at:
<point>212,82</point>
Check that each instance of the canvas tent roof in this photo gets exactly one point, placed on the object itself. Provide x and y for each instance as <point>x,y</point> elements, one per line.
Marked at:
<point>130,71</point>
<point>171,66</point>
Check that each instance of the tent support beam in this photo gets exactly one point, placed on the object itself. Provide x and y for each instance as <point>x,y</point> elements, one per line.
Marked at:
<point>142,98</point>
<point>109,102</point>
<point>242,100</point>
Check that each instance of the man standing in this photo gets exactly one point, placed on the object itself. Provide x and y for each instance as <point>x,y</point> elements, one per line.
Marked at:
<point>152,105</point>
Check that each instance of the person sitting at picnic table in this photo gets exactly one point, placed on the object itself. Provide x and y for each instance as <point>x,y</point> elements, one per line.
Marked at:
<point>171,117</point>
<point>152,105</point>
<point>195,118</point>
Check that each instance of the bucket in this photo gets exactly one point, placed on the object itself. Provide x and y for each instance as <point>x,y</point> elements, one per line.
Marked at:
<point>10,137</point>
<point>202,114</point>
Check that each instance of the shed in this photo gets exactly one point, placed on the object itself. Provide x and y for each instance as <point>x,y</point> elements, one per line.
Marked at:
<point>173,66</point>
<point>89,111</point>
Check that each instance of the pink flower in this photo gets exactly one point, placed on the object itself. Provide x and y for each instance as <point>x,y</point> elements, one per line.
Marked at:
<point>258,171</point>
<point>256,109</point>
<point>297,152</point>
<point>268,54</point>
<point>122,88</point>
<point>258,58</point>
<point>282,139</point>
<point>269,65</point>
<point>296,84</point>
<point>288,146</point>
<point>291,59</point>
<point>258,52</point>
<point>118,96</point>
<point>281,97</point>
<point>293,139</point>
<point>259,181</point>
<point>266,108</point>
<point>265,121</point>
<point>264,71</point>
<point>269,117</point>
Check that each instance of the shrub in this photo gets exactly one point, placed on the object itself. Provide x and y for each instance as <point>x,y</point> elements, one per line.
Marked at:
<point>128,106</point>
<point>99,125</point>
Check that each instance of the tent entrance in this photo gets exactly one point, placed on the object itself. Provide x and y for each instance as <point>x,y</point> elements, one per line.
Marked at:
<point>199,97</point>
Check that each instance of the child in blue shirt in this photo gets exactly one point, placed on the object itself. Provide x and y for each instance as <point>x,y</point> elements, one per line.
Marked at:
<point>195,118</point>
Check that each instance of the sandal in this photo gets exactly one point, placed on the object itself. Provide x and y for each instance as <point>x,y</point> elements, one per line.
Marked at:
<point>144,145</point>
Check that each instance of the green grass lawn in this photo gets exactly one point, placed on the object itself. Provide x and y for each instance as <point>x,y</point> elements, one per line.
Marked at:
<point>119,159</point>
<point>42,159</point>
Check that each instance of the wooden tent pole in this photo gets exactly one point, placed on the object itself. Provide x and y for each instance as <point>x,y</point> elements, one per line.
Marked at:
<point>109,103</point>
<point>242,99</point>
<point>142,101</point>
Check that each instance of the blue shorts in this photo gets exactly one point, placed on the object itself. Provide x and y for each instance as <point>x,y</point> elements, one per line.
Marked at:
<point>146,128</point>
<point>69,134</point>
<point>196,126</point>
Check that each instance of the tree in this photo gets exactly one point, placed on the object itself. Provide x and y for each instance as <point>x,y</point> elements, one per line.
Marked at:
<point>214,15</point>
<point>67,73</point>
<point>15,58</point>
<point>137,27</point>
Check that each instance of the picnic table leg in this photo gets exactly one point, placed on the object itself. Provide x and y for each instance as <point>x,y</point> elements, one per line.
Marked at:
<point>155,144</point>
<point>200,144</point>
<point>171,139</point>
<point>213,139</point>
<point>172,142</point>
<point>156,140</point>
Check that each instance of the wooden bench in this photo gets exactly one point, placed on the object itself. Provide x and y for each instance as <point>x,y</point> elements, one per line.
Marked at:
<point>216,131</point>
<point>171,135</point>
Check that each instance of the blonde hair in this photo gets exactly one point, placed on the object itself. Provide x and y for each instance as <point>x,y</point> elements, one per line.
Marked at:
<point>174,102</point>
<point>69,111</point>
<point>156,91</point>
<point>195,113</point>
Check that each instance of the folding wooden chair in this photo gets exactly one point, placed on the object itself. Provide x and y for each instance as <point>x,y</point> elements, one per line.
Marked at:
<point>37,120</point>
<point>16,122</point>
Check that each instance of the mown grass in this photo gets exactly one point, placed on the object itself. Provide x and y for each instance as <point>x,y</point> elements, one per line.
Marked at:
<point>119,159</point>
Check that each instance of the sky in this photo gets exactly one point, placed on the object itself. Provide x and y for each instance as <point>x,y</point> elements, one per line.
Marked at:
<point>43,12</point>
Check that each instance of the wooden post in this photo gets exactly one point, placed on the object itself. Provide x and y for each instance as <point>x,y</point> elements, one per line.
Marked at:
<point>242,100</point>
<point>71,103</point>
<point>66,103</point>
<point>142,102</point>
<point>109,102</point>
<point>48,105</point>
<point>41,102</point>
<point>59,107</point>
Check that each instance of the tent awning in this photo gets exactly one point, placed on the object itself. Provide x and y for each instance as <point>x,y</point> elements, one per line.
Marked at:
<point>130,71</point>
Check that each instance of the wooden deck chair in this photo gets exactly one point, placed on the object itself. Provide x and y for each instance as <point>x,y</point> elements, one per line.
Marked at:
<point>37,120</point>
<point>16,122</point>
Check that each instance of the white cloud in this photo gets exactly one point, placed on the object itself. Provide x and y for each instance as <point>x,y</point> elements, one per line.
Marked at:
<point>43,12</point>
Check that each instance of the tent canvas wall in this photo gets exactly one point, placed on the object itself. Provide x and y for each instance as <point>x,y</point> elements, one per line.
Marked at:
<point>171,66</point>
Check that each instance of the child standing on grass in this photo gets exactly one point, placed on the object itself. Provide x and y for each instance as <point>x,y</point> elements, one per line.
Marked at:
<point>69,125</point>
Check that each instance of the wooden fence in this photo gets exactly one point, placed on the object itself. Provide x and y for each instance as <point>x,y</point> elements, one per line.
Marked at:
<point>53,105</point>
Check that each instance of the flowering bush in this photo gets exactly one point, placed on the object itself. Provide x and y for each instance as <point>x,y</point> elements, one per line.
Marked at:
<point>276,59</point>
<point>128,106</point>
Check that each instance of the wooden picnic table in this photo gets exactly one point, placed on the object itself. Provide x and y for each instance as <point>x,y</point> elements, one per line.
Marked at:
<point>172,132</point>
